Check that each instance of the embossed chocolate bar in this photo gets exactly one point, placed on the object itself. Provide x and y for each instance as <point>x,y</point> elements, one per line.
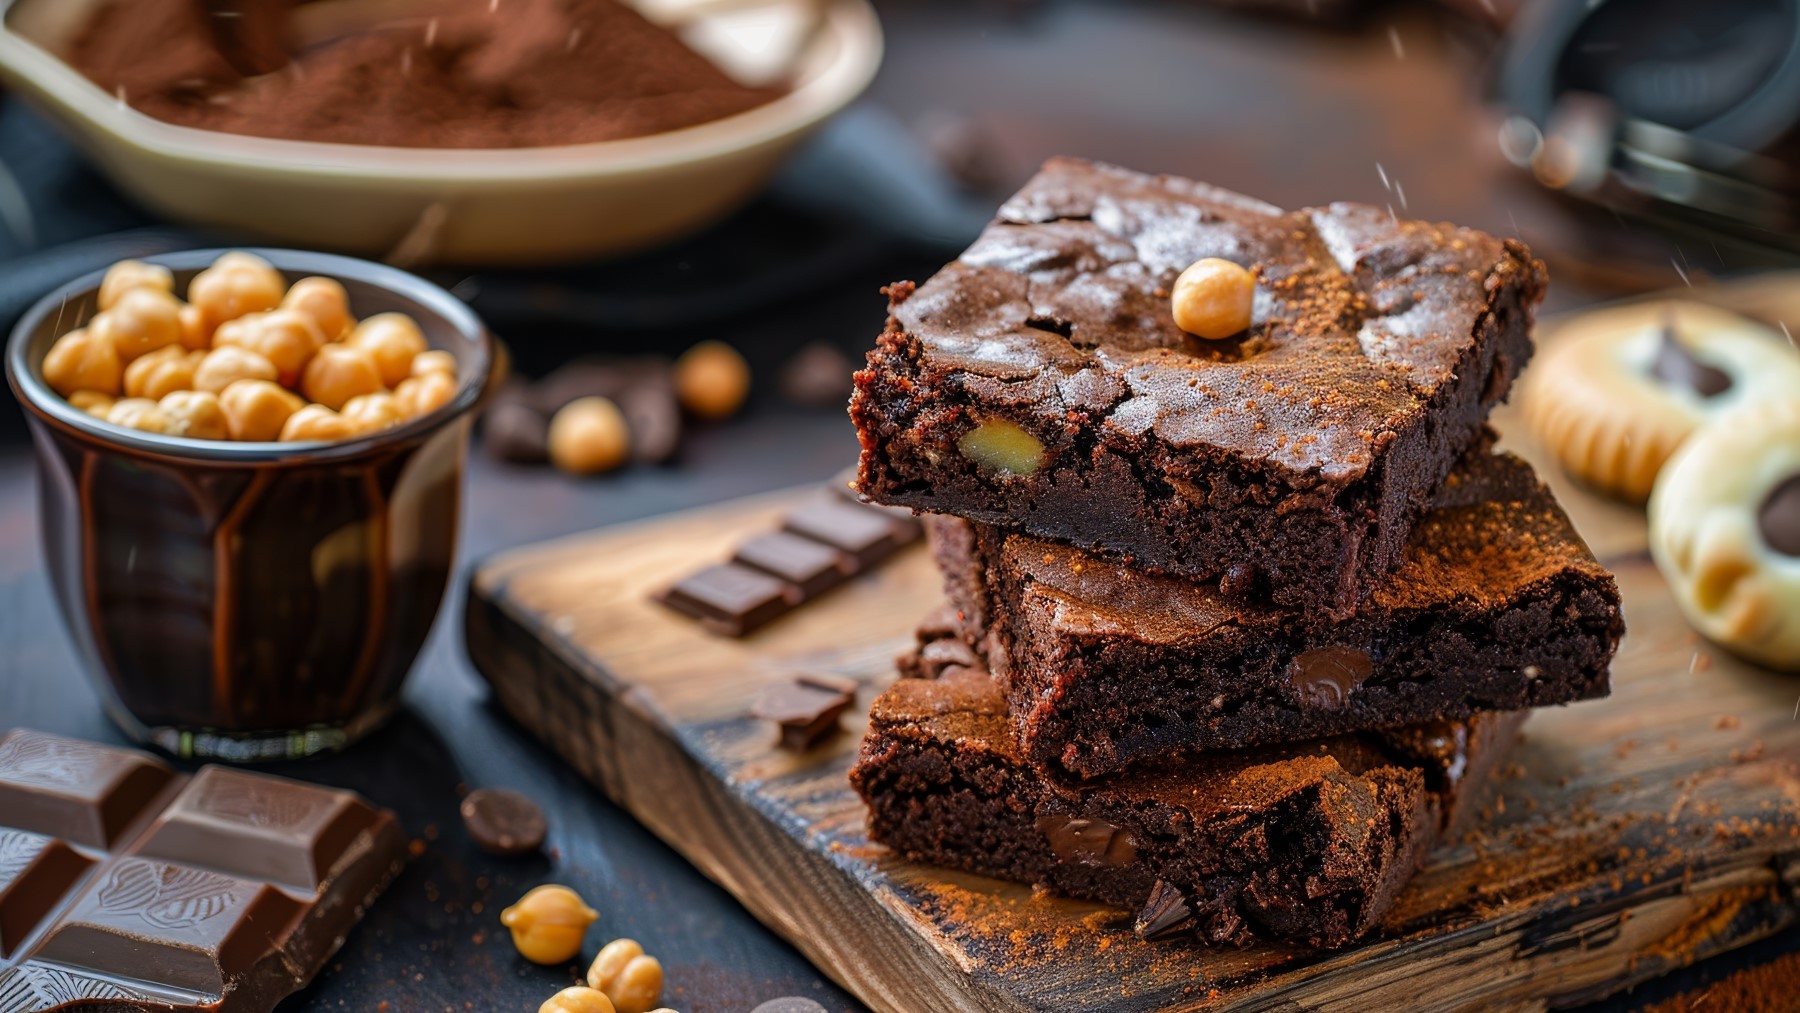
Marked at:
<point>128,885</point>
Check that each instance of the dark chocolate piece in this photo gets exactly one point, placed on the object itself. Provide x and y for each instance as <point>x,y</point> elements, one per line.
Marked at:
<point>813,567</point>
<point>1677,366</point>
<point>125,886</point>
<point>732,599</point>
<point>1499,606</point>
<point>1305,842</point>
<point>1778,520</point>
<point>1165,915</point>
<point>867,535</point>
<point>807,710</point>
<point>789,1004</point>
<point>516,432</point>
<point>503,822</point>
<point>1303,451</point>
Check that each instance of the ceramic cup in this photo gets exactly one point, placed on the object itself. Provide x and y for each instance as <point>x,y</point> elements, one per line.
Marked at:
<point>251,601</point>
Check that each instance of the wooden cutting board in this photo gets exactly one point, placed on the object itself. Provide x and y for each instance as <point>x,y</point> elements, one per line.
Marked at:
<point>1631,836</point>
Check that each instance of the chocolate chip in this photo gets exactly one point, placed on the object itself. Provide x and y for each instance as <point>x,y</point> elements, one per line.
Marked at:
<point>1324,677</point>
<point>1165,914</point>
<point>807,709</point>
<point>504,822</point>
<point>732,599</point>
<point>1779,519</point>
<point>1088,841</point>
<point>789,1004</point>
<point>1238,581</point>
<point>818,376</point>
<point>1676,366</point>
<point>515,432</point>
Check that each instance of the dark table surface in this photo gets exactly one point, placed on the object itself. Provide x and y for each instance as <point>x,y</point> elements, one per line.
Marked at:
<point>1385,109</point>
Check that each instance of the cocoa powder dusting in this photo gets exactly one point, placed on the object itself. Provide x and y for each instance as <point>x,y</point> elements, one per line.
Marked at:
<point>473,74</point>
<point>1765,988</point>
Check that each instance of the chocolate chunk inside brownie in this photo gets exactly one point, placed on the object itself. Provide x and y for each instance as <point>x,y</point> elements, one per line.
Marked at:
<point>1498,606</point>
<point>1308,842</point>
<point>1040,382</point>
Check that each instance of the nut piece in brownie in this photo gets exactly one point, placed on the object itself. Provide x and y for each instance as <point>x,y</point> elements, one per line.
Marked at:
<point>1040,381</point>
<point>1307,842</point>
<point>1498,606</point>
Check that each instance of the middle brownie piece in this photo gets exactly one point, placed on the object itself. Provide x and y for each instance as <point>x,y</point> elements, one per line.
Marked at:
<point>1498,605</point>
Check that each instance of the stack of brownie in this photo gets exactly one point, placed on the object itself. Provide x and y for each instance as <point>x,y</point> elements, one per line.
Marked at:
<point>1236,627</point>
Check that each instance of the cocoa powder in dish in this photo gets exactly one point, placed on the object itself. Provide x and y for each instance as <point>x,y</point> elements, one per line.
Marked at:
<point>473,74</point>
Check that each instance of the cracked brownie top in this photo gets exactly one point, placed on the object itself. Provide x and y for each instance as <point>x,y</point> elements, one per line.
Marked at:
<point>1061,308</point>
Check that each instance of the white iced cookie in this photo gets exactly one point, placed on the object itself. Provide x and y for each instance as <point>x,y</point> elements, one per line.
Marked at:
<point>1624,387</point>
<point>1725,529</point>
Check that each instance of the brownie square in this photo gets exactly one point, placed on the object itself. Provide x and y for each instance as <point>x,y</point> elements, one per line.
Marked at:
<point>1498,605</point>
<point>1306,842</point>
<point>1288,463</point>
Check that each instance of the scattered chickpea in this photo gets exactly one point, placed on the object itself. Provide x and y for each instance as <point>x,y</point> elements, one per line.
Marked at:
<point>142,321</point>
<point>315,422</point>
<point>1213,298</point>
<point>80,360</point>
<point>138,413</point>
<point>257,409</point>
<point>589,436</point>
<point>630,979</point>
<point>236,284</point>
<point>577,999</point>
<point>224,366</point>
<point>712,380</point>
<point>338,373</point>
<point>324,302</point>
<point>435,361</point>
<point>196,333</point>
<point>93,402</point>
<point>164,371</point>
<point>394,340</point>
<point>286,338</point>
<point>196,415</point>
<point>547,924</point>
<point>370,413</point>
<point>420,395</point>
<point>129,274</point>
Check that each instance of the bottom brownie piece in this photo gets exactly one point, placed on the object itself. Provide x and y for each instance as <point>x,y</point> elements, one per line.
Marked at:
<point>1306,843</point>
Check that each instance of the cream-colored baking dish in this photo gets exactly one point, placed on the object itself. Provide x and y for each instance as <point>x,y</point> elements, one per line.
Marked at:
<point>528,205</point>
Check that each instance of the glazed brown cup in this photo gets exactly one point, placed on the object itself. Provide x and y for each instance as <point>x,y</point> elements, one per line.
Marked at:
<point>251,601</point>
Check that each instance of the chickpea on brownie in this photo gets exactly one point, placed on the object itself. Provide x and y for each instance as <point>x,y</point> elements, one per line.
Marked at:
<point>248,357</point>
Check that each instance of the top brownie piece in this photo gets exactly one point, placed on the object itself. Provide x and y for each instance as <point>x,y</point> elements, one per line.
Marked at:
<point>1287,463</point>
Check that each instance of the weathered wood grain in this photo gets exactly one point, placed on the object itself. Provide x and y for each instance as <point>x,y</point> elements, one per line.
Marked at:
<point>1633,834</point>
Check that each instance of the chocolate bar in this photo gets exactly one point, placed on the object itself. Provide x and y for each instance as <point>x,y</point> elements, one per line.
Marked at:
<point>125,885</point>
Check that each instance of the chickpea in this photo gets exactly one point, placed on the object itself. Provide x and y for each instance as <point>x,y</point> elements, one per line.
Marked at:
<point>324,302</point>
<point>81,360</point>
<point>712,380</point>
<point>196,333</point>
<point>222,367</point>
<point>286,338</point>
<point>1213,299</point>
<point>394,340</point>
<point>421,395</point>
<point>630,979</point>
<point>316,422</point>
<point>338,373</point>
<point>236,284</point>
<point>93,402</point>
<point>138,413</point>
<point>588,436</point>
<point>164,371</point>
<point>577,1000</point>
<point>547,924</point>
<point>129,274</point>
<point>195,414</point>
<point>143,320</point>
<point>435,361</point>
<point>257,409</point>
<point>370,413</point>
